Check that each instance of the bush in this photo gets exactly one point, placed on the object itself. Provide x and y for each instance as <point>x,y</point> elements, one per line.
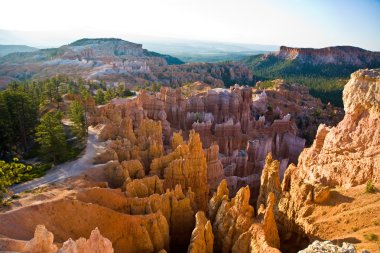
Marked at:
<point>370,187</point>
<point>371,237</point>
<point>16,172</point>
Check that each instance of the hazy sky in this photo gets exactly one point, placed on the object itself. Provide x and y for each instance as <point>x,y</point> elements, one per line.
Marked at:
<point>303,23</point>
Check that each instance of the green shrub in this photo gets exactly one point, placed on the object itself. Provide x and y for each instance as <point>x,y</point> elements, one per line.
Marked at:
<point>370,187</point>
<point>16,172</point>
<point>371,237</point>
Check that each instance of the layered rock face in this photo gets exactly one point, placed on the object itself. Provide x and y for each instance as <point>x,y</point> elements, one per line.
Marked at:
<point>235,227</point>
<point>73,218</point>
<point>144,143</point>
<point>345,155</point>
<point>228,118</point>
<point>330,55</point>
<point>215,172</point>
<point>190,172</point>
<point>177,207</point>
<point>354,143</point>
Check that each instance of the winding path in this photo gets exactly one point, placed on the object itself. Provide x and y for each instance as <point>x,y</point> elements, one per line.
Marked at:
<point>65,170</point>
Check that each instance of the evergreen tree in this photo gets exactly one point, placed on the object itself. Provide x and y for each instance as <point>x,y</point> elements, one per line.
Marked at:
<point>18,116</point>
<point>99,97</point>
<point>108,96</point>
<point>78,117</point>
<point>51,137</point>
<point>120,89</point>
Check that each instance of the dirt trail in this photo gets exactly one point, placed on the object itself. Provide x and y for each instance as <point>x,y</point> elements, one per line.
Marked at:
<point>68,169</point>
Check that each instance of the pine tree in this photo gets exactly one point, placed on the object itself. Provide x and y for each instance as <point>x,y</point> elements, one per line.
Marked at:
<point>78,117</point>
<point>99,97</point>
<point>51,137</point>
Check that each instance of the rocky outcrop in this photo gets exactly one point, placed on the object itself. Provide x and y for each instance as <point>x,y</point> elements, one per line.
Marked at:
<point>217,199</point>
<point>354,143</point>
<point>190,172</point>
<point>143,143</point>
<point>270,181</point>
<point>177,207</point>
<point>202,238</point>
<point>144,187</point>
<point>327,246</point>
<point>269,223</point>
<point>215,172</point>
<point>42,242</point>
<point>339,55</point>
<point>70,218</point>
<point>235,227</point>
<point>95,244</point>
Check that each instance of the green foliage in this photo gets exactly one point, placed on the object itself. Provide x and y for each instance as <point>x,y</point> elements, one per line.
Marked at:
<point>326,81</point>
<point>120,89</point>
<point>370,187</point>
<point>78,117</point>
<point>317,113</point>
<point>18,117</point>
<point>15,172</point>
<point>108,96</point>
<point>371,237</point>
<point>265,84</point>
<point>153,87</point>
<point>99,97</point>
<point>129,93</point>
<point>51,137</point>
<point>169,59</point>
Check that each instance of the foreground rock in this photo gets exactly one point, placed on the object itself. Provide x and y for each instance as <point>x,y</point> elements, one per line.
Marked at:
<point>43,242</point>
<point>354,143</point>
<point>346,155</point>
<point>328,247</point>
<point>202,238</point>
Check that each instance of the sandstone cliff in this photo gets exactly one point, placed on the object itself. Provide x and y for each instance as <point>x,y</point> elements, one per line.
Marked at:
<point>330,55</point>
<point>347,155</point>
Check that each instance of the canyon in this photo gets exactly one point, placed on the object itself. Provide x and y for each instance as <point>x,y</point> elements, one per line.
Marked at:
<point>215,170</point>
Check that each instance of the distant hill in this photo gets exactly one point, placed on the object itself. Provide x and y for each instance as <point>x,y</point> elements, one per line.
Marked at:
<point>200,51</point>
<point>116,60</point>
<point>324,71</point>
<point>8,49</point>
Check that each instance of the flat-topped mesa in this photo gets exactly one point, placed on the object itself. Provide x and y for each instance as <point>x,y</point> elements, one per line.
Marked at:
<point>348,154</point>
<point>102,48</point>
<point>330,55</point>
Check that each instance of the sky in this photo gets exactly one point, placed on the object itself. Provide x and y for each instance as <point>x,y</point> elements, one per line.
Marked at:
<point>299,23</point>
